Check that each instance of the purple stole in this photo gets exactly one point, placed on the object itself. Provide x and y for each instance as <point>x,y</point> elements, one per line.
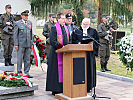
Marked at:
<point>60,55</point>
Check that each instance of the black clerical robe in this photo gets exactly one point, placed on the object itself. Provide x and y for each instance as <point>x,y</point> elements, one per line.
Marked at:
<point>91,61</point>
<point>52,81</point>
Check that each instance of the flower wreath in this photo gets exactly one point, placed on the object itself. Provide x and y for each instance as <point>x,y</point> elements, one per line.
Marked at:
<point>40,50</point>
<point>14,80</point>
<point>125,47</point>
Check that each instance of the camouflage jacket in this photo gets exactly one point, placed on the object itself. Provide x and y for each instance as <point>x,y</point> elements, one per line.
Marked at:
<point>5,18</point>
<point>102,28</point>
<point>46,30</point>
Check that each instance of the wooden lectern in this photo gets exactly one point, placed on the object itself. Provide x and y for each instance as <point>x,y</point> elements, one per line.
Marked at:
<point>74,71</point>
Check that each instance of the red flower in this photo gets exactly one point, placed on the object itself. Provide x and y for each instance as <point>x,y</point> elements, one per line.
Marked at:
<point>20,75</point>
<point>44,55</point>
<point>38,40</point>
<point>5,73</point>
<point>13,78</point>
<point>12,74</point>
<point>15,74</point>
<point>43,46</point>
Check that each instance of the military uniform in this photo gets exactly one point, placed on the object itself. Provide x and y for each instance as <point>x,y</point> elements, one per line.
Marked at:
<point>46,31</point>
<point>22,39</point>
<point>71,27</point>
<point>105,48</point>
<point>7,37</point>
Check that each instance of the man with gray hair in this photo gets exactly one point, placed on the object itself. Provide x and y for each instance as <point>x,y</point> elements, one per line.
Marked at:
<point>22,42</point>
<point>88,33</point>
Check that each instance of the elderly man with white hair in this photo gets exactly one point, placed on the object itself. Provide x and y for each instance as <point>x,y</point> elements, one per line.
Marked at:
<point>86,32</point>
<point>89,32</point>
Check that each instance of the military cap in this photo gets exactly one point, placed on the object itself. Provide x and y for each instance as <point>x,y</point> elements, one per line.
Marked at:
<point>51,15</point>
<point>105,16</point>
<point>68,15</point>
<point>8,6</point>
<point>25,12</point>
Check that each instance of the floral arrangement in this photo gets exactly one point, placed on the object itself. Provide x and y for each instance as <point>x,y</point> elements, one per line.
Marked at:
<point>40,47</point>
<point>125,47</point>
<point>14,80</point>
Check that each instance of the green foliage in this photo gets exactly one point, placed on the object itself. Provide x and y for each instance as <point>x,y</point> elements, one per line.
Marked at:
<point>77,8</point>
<point>121,10</point>
<point>13,83</point>
<point>42,7</point>
<point>67,5</point>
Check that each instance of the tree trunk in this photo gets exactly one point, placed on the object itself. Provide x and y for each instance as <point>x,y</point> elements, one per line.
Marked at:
<point>99,13</point>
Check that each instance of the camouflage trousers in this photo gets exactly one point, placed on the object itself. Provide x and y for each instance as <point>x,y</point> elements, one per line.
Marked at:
<point>104,53</point>
<point>8,44</point>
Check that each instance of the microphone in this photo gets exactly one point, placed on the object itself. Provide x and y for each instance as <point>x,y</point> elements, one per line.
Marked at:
<point>88,37</point>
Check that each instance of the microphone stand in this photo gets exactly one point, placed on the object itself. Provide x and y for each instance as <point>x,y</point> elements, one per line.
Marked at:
<point>94,96</point>
<point>94,93</point>
<point>87,36</point>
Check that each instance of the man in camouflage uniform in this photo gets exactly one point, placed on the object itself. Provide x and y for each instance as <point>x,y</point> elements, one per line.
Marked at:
<point>7,25</point>
<point>105,48</point>
<point>46,31</point>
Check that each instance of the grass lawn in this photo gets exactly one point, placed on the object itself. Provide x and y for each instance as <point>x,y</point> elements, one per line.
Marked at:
<point>39,31</point>
<point>114,64</point>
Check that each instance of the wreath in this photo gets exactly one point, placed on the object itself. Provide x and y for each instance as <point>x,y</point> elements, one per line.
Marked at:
<point>14,80</point>
<point>125,47</point>
<point>40,50</point>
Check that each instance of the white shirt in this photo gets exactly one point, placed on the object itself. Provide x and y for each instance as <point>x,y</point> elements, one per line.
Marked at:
<point>84,31</point>
<point>25,22</point>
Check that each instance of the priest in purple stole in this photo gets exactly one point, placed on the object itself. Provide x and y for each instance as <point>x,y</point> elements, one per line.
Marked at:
<point>59,37</point>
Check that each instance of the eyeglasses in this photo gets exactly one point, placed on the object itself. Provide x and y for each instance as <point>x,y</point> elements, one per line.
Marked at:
<point>69,18</point>
<point>63,18</point>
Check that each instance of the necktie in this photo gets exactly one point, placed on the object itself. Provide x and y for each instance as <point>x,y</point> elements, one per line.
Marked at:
<point>25,23</point>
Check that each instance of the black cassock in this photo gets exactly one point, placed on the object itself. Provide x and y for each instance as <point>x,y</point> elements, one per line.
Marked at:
<point>77,37</point>
<point>52,81</point>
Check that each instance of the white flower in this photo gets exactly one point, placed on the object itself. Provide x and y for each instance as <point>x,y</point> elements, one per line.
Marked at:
<point>129,59</point>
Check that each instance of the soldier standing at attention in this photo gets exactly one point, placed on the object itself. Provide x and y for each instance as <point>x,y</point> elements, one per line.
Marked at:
<point>46,31</point>
<point>7,25</point>
<point>22,41</point>
<point>105,48</point>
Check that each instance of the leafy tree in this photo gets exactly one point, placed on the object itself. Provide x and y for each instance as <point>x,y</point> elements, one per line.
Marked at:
<point>120,9</point>
<point>42,7</point>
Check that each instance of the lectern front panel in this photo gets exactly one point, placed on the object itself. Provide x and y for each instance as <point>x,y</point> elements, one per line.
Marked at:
<point>79,70</point>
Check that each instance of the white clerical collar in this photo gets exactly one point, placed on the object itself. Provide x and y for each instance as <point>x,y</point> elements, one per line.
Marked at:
<point>84,30</point>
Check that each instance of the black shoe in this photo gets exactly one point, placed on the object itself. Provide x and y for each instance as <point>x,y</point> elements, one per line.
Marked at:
<point>102,68</point>
<point>9,61</point>
<point>6,62</point>
<point>105,67</point>
<point>53,93</point>
<point>29,76</point>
